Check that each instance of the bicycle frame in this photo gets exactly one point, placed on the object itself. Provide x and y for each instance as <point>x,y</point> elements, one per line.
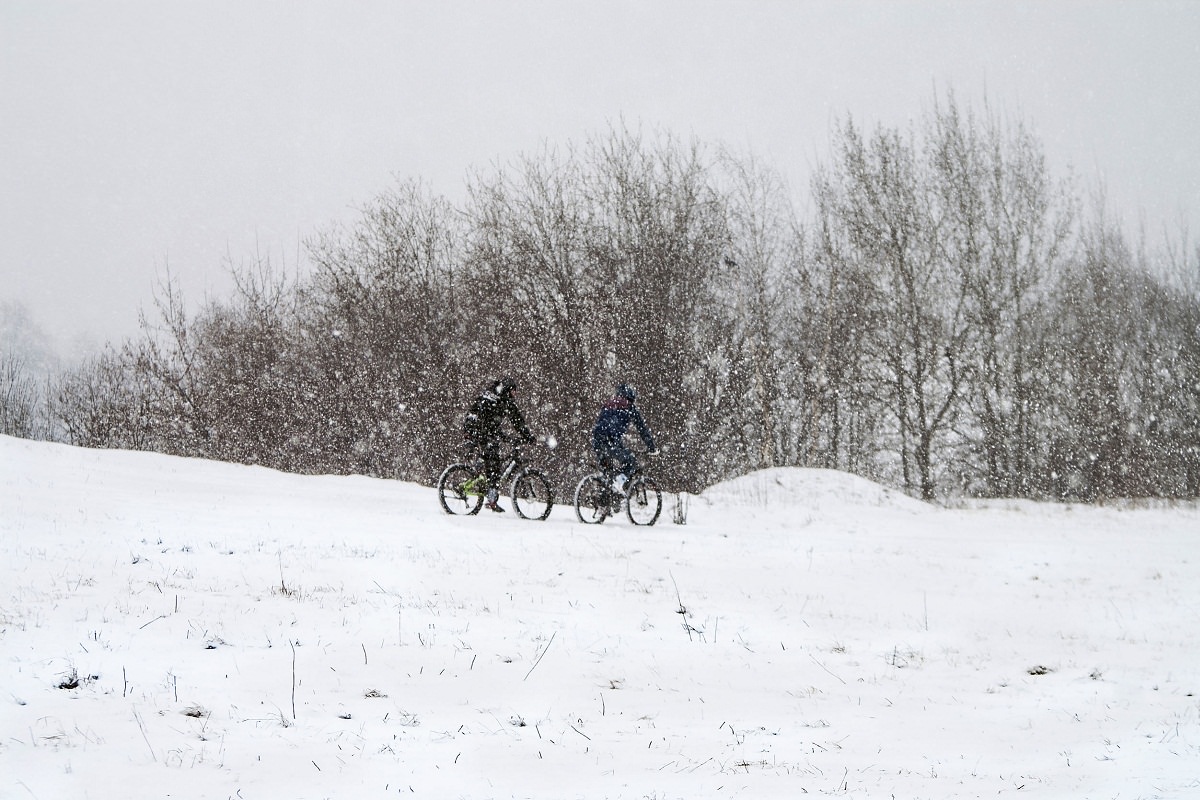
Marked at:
<point>515,462</point>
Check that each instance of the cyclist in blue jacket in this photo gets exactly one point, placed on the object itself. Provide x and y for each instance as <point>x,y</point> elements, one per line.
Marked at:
<point>608,435</point>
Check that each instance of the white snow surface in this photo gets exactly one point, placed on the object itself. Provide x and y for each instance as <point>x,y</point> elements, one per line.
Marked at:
<point>236,632</point>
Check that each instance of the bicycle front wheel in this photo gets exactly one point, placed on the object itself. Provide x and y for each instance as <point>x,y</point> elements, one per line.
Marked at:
<point>592,500</point>
<point>644,501</point>
<point>531,495</point>
<point>461,489</point>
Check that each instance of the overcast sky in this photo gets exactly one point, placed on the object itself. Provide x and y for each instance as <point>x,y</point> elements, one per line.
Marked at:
<point>145,134</point>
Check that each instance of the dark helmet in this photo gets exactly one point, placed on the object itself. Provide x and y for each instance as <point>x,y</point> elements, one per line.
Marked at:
<point>506,385</point>
<point>626,391</point>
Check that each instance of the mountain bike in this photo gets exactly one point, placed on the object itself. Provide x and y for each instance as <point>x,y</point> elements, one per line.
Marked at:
<point>463,486</point>
<point>596,501</point>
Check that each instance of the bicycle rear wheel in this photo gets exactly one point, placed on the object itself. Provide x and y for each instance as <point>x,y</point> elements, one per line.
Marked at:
<point>592,498</point>
<point>644,501</point>
<point>461,489</point>
<point>531,495</point>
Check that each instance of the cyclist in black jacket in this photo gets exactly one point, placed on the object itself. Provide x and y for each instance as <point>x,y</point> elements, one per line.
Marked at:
<point>608,435</point>
<point>483,429</point>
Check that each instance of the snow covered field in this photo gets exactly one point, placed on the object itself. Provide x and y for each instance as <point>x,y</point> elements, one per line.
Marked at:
<point>181,628</point>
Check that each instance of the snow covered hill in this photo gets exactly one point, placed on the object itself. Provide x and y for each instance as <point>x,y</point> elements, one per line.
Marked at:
<point>180,628</point>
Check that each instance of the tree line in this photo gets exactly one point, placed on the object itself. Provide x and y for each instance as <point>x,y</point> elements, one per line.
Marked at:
<point>942,316</point>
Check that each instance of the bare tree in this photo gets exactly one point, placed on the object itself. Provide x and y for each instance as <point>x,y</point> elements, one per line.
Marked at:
<point>887,209</point>
<point>387,339</point>
<point>663,238</point>
<point>596,266</point>
<point>540,300</point>
<point>764,244</point>
<point>102,403</point>
<point>18,396</point>
<point>244,346</point>
<point>1005,229</point>
<point>26,365</point>
<point>1127,352</point>
<point>845,409</point>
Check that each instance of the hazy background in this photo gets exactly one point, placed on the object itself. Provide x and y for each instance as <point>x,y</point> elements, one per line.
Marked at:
<point>137,136</point>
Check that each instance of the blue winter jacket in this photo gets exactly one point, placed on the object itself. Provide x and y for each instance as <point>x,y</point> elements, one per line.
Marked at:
<point>613,422</point>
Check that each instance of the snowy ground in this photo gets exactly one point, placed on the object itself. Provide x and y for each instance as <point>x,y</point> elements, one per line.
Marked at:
<point>181,628</point>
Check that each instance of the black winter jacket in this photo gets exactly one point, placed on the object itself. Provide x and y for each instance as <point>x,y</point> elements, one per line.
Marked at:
<point>487,415</point>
